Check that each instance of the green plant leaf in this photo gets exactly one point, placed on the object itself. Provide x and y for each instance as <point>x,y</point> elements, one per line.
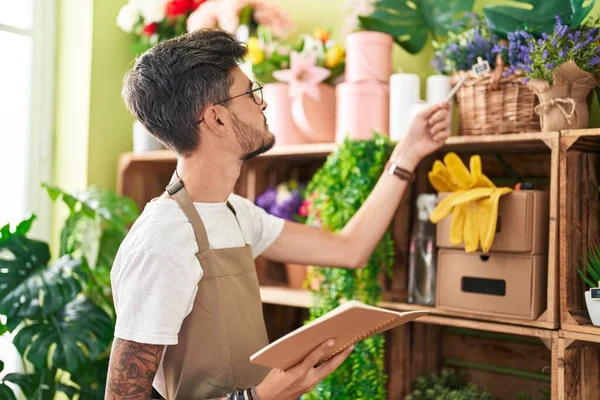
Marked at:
<point>91,379</point>
<point>30,288</point>
<point>24,226</point>
<point>78,333</point>
<point>535,16</point>
<point>37,385</point>
<point>411,22</point>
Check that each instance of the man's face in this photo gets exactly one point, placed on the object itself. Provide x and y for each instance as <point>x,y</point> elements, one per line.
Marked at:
<point>248,121</point>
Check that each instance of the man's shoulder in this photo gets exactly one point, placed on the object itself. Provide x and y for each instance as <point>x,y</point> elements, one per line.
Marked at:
<point>162,231</point>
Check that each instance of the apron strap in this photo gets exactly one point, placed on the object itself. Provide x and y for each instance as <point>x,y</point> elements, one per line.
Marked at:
<point>237,220</point>
<point>182,197</point>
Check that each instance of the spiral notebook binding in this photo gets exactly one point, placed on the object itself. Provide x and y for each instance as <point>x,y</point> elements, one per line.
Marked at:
<point>358,338</point>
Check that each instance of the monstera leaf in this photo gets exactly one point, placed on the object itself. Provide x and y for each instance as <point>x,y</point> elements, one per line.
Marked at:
<point>29,287</point>
<point>78,333</point>
<point>535,16</point>
<point>412,22</point>
<point>91,379</point>
<point>5,390</point>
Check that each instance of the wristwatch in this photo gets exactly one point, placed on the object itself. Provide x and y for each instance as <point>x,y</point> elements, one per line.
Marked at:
<point>394,169</point>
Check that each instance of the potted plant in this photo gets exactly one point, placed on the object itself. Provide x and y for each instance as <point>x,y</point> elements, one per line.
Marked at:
<point>70,332</point>
<point>299,81</point>
<point>562,68</point>
<point>285,201</point>
<point>591,276</point>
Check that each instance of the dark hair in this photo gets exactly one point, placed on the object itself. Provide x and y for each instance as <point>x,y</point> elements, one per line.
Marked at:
<point>171,83</point>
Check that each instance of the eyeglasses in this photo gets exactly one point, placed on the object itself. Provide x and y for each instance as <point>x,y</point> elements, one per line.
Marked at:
<point>255,91</point>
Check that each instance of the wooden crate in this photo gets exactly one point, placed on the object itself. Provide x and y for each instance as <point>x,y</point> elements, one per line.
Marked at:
<point>579,221</point>
<point>528,155</point>
<point>577,357</point>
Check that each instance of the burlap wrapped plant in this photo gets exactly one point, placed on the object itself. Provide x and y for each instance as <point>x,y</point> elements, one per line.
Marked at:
<point>563,104</point>
<point>562,68</point>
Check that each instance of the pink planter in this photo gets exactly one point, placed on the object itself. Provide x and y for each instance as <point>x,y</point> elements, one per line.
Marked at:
<point>368,56</point>
<point>361,109</point>
<point>316,118</point>
<point>279,115</point>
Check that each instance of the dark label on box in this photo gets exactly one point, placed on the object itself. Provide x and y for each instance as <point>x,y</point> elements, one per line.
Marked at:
<point>595,293</point>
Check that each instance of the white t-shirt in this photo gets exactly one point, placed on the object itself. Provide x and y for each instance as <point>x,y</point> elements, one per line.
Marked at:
<point>155,275</point>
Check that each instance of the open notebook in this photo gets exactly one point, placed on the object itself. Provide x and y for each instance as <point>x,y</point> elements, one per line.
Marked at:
<point>349,323</point>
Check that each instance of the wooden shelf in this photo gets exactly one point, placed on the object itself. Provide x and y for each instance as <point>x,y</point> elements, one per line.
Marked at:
<point>454,143</point>
<point>284,296</point>
<point>586,333</point>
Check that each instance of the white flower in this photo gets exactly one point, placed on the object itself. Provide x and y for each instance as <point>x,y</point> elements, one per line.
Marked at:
<point>283,193</point>
<point>127,18</point>
<point>153,11</point>
<point>312,45</point>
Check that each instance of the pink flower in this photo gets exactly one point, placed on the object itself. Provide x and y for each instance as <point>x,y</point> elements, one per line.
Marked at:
<point>225,14</point>
<point>303,76</point>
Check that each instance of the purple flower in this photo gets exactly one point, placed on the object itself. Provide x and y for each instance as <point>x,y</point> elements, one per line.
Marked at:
<point>594,61</point>
<point>526,80</point>
<point>563,52</point>
<point>544,36</point>
<point>554,42</point>
<point>544,54</point>
<point>549,65</point>
<point>527,68</point>
<point>267,199</point>
<point>578,46</point>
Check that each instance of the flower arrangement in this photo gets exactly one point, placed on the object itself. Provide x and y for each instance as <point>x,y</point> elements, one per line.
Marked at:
<point>153,21</point>
<point>539,58</point>
<point>311,60</point>
<point>229,15</point>
<point>461,50</point>
<point>284,201</point>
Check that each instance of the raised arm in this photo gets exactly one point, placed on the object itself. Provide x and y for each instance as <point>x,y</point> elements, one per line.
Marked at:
<point>353,246</point>
<point>132,369</point>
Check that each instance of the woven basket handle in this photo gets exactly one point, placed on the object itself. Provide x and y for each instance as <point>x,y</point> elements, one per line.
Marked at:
<point>497,73</point>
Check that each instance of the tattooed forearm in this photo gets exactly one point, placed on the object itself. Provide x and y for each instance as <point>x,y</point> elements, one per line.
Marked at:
<point>132,369</point>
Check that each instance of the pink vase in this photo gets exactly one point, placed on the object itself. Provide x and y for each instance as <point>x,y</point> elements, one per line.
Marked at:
<point>279,115</point>
<point>316,118</point>
<point>368,56</point>
<point>362,108</point>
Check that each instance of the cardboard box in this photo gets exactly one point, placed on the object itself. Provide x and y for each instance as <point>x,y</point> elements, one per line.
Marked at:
<point>522,227</point>
<point>508,285</point>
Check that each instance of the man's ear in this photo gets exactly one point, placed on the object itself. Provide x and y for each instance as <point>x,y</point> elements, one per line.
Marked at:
<point>217,118</point>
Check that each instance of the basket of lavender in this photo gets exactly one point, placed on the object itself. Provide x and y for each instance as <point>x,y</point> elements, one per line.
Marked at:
<point>493,103</point>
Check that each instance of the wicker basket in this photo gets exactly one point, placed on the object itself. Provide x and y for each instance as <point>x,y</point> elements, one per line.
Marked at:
<point>491,105</point>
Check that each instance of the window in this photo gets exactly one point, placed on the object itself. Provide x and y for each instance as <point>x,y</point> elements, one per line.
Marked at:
<point>26,91</point>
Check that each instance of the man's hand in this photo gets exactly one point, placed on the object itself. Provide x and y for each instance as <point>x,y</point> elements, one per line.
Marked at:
<point>132,369</point>
<point>302,378</point>
<point>427,133</point>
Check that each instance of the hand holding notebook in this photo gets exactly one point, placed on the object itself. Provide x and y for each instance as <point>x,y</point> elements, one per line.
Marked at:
<point>349,323</point>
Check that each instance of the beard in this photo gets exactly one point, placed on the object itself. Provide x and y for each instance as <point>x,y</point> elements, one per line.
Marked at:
<point>252,141</point>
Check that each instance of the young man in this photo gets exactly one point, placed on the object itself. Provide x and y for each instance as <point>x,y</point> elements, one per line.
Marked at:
<point>188,304</point>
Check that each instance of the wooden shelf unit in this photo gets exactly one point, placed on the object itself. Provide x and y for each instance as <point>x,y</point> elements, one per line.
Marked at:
<point>419,347</point>
<point>579,221</point>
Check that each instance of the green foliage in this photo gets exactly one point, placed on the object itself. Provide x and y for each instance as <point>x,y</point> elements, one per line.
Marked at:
<point>337,191</point>
<point>591,265</point>
<point>447,385</point>
<point>411,23</point>
<point>534,16</point>
<point>61,313</point>
<point>5,390</point>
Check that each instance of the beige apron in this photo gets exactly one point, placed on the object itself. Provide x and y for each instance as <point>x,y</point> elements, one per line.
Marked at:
<point>226,324</point>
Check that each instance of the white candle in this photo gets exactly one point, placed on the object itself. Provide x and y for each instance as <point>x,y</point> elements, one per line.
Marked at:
<point>438,87</point>
<point>405,90</point>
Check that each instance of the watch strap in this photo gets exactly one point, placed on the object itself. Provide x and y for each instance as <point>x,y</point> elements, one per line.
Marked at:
<point>394,169</point>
